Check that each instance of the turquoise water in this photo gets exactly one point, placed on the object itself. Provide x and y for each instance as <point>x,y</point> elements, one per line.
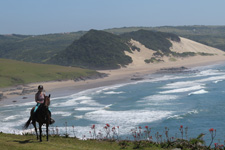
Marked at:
<point>194,99</point>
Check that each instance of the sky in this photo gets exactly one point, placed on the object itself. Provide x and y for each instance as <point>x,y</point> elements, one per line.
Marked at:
<point>35,17</point>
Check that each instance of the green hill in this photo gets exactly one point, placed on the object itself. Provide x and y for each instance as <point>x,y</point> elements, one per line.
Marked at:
<point>103,50</point>
<point>17,72</point>
<point>35,48</point>
<point>96,50</point>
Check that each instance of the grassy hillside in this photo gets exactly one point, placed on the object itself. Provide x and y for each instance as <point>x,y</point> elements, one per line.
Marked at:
<point>17,72</point>
<point>96,50</point>
<point>29,142</point>
<point>35,48</point>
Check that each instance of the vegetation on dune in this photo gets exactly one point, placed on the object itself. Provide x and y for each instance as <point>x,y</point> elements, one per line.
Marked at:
<point>153,60</point>
<point>96,50</point>
<point>153,40</point>
<point>17,72</point>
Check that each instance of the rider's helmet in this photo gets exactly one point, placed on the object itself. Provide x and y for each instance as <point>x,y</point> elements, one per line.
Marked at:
<point>40,87</point>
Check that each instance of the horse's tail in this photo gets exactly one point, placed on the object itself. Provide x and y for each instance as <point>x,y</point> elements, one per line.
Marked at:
<point>27,123</point>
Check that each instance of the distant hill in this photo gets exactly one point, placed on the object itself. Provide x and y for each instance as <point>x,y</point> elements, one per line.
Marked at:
<point>103,50</point>
<point>35,48</point>
<point>96,50</point>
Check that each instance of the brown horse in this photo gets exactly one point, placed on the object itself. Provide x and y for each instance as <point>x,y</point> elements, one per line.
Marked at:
<point>42,116</point>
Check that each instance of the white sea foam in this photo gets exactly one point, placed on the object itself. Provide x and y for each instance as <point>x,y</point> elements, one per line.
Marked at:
<point>194,83</point>
<point>217,81</point>
<point>183,115</point>
<point>126,118</point>
<point>82,98</point>
<point>13,117</point>
<point>108,106</point>
<point>198,92</point>
<point>79,117</point>
<point>113,92</point>
<point>210,72</point>
<point>180,90</point>
<point>181,84</point>
<point>65,103</point>
<point>62,113</point>
<point>175,117</point>
<point>159,98</point>
<point>76,101</point>
<point>193,112</point>
<point>87,108</point>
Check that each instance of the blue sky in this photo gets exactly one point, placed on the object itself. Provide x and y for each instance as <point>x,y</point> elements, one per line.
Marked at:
<point>57,16</point>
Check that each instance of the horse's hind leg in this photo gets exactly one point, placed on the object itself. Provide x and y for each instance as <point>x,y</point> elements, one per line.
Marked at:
<point>40,130</point>
<point>47,131</point>
<point>34,124</point>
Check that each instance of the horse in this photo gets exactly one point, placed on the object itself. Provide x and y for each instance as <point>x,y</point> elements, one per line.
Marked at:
<point>42,116</point>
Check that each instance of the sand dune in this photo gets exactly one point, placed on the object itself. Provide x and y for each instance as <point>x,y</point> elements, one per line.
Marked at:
<point>187,45</point>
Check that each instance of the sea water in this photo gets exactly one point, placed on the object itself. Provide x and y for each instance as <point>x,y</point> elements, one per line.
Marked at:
<point>193,99</point>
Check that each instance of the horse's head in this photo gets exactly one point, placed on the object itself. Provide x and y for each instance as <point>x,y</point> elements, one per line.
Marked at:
<point>47,100</point>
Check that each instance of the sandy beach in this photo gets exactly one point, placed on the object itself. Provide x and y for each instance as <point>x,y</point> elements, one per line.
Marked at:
<point>137,69</point>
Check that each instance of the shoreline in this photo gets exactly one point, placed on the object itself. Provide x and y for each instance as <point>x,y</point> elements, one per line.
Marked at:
<point>119,76</point>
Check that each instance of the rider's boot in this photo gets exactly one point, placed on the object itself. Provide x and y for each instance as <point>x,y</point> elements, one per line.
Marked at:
<point>51,120</point>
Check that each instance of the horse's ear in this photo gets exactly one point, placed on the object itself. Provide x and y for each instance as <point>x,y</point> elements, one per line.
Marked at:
<point>49,95</point>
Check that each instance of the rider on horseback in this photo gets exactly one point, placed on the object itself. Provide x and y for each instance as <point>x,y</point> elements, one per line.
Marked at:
<point>39,98</point>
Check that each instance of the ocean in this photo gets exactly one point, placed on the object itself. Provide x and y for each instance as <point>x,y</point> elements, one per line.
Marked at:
<point>194,99</point>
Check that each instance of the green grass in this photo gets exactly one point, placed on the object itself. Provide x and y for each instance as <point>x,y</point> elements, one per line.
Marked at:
<point>17,72</point>
<point>29,142</point>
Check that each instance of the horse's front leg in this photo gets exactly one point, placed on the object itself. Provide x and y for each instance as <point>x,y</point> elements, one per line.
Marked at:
<point>47,131</point>
<point>40,130</point>
<point>34,124</point>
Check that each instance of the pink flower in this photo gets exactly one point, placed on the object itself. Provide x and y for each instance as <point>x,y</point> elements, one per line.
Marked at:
<point>118,127</point>
<point>181,126</point>
<point>139,127</point>
<point>146,127</point>
<point>93,126</point>
<point>211,130</point>
<point>107,125</point>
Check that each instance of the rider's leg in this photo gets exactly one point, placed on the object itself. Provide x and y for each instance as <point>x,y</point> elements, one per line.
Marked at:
<point>51,120</point>
<point>36,107</point>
